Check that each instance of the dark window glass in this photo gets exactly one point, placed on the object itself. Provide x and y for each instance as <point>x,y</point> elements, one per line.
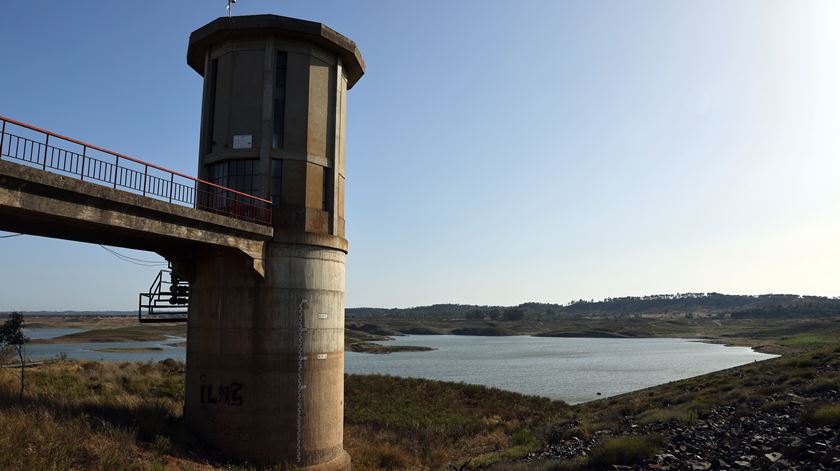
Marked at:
<point>325,190</point>
<point>276,180</point>
<point>241,175</point>
<point>211,105</point>
<point>279,100</point>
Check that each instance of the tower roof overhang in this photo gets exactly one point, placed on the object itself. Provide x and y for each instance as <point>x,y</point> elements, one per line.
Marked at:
<point>225,28</point>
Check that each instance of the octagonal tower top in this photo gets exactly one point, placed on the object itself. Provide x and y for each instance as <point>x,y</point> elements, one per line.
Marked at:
<point>293,28</point>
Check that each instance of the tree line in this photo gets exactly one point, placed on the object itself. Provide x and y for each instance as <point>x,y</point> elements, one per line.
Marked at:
<point>687,304</point>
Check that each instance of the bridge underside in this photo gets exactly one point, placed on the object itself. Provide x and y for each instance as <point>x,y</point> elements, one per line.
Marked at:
<point>50,205</point>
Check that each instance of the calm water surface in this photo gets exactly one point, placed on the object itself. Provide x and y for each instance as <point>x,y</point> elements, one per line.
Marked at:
<point>87,351</point>
<point>570,369</point>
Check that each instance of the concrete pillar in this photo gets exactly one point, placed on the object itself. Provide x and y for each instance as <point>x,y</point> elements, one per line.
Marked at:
<point>265,355</point>
<point>265,358</point>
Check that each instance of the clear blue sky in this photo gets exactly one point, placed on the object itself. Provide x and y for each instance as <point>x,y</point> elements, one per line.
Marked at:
<point>499,151</point>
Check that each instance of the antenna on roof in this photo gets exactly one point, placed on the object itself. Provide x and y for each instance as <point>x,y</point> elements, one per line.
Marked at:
<point>230,7</point>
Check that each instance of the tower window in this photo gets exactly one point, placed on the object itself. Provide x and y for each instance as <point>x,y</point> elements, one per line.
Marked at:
<point>276,180</point>
<point>241,175</point>
<point>325,190</point>
<point>279,99</point>
<point>211,105</point>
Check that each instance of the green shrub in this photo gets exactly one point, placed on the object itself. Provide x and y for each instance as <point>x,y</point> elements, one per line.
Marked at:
<point>774,406</point>
<point>826,415</point>
<point>821,385</point>
<point>392,458</point>
<point>624,451</point>
<point>685,414</point>
<point>794,382</point>
<point>689,416</point>
<point>805,374</point>
<point>7,355</point>
<point>523,437</point>
<point>162,444</point>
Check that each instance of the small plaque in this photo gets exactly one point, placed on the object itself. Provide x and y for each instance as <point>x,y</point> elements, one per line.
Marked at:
<point>322,356</point>
<point>322,315</point>
<point>242,141</point>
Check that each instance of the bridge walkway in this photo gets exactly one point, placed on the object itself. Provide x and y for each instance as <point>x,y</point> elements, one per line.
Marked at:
<point>85,193</point>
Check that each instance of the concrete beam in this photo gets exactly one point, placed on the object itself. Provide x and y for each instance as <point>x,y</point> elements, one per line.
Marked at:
<point>45,204</point>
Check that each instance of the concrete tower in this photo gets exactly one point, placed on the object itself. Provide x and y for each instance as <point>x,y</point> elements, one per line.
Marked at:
<point>265,355</point>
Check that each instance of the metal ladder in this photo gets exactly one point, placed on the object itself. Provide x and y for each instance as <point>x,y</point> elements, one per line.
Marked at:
<point>167,300</point>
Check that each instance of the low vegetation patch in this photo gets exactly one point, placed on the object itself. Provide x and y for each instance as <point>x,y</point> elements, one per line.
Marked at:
<point>368,347</point>
<point>683,415</point>
<point>624,451</point>
<point>828,415</point>
<point>433,423</point>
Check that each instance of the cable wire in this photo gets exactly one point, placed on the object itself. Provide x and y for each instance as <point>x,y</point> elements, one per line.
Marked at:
<point>125,258</point>
<point>135,261</point>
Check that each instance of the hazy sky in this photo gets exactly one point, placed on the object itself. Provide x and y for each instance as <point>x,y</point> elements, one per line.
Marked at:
<point>498,151</point>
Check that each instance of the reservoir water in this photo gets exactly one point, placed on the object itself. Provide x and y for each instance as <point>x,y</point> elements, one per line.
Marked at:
<point>571,369</point>
<point>88,350</point>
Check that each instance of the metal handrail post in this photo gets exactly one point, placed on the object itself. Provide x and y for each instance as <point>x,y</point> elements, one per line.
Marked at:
<point>116,170</point>
<point>145,177</point>
<point>171,185</point>
<point>84,161</point>
<point>2,138</point>
<point>46,148</point>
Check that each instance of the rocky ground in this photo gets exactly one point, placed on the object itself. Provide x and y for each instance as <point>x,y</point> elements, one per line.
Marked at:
<point>766,433</point>
<point>726,438</point>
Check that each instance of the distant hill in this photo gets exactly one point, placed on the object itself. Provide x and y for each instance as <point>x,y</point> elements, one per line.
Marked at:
<point>660,305</point>
<point>73,313</point>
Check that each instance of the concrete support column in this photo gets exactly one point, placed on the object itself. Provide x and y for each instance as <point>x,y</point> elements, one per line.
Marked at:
<point>265,358</point>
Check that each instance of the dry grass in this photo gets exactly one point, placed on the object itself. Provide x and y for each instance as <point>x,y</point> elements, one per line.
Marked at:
<point>91,415</point>
<point>404,423</point>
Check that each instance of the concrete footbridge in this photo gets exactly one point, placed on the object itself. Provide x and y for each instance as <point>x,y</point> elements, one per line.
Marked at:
<point>60,187</point>
<point>258,234</point>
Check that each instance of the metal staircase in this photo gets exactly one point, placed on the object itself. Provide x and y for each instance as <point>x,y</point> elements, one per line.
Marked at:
<point>167,300</point>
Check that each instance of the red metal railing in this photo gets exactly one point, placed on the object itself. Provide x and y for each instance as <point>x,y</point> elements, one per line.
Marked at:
<point>38,148</point>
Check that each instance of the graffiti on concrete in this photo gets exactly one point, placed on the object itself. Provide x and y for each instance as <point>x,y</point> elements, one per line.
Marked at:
<point>229,394</point>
